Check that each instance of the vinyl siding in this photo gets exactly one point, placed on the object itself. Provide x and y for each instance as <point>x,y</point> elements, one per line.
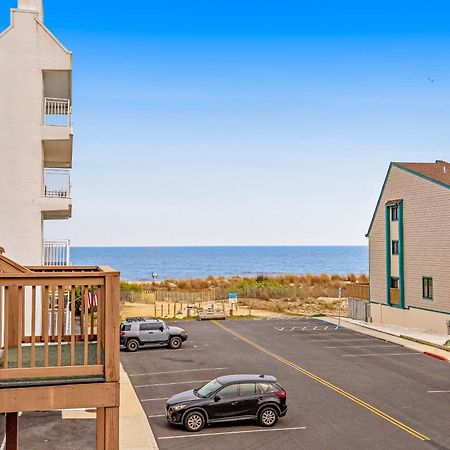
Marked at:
<point>426,240</point>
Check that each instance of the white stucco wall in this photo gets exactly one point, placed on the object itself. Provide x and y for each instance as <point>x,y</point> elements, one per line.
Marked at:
<point>26,50</point>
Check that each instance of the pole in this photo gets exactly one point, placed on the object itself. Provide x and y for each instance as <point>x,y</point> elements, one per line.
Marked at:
<point>340,297</point>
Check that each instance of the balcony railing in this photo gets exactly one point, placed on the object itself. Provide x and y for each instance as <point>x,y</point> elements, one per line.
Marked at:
<point>59,324</point>
<point>57,183</point>
<point>56,253</point>
<point>57,112</point>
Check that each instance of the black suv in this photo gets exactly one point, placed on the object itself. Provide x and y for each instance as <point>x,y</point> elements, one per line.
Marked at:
<point>228,398</point>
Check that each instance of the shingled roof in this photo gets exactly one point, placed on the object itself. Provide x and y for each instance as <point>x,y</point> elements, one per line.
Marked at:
<point>438,171</point>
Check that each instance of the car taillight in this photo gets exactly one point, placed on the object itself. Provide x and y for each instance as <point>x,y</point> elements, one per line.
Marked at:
<point>282,394</point>
<point>122,333</point>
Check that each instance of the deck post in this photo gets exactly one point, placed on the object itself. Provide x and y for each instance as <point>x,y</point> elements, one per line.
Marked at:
<point>100,429</point>
<point>13,315</point>
<point>112,428</point>
<point>12,432</point>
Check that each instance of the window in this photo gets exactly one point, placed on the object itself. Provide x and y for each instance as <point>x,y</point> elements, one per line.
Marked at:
<point>427,288</point>
<point>394,282</point>
<point>247,389</point>
<point>394,213</point>
<point>395,247</point>
<point>125,327</point>
<point>229,391</point>
<point>149,326</point>
<point>265,388</point>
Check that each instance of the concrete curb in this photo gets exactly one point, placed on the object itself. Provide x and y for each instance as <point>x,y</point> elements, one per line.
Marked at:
<point>412,344</point>
<point>433,355</point>
<point>135,431</point>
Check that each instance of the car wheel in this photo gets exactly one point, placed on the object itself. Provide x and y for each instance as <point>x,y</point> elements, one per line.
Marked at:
<point>132,345</point>
<point>175,342</point>
<point>268,416</point>
<point>194,421</point>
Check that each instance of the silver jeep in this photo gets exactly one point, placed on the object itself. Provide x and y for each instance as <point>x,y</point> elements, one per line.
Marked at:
<point>138,332</point>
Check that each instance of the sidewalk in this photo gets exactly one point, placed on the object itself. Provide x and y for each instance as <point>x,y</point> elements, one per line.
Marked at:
<point>406,337</point>
<point>135,431</point>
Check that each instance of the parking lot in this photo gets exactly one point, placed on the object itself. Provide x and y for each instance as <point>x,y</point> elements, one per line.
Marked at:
<point>345,389</point>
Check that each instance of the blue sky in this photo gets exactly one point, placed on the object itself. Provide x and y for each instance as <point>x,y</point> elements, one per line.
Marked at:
<point>246,123</point>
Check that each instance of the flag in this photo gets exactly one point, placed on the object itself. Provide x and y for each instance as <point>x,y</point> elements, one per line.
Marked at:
<point>90,300</point>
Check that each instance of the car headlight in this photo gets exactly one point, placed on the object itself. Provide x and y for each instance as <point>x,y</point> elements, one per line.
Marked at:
<point>183,333</point>
<point>176,408</point>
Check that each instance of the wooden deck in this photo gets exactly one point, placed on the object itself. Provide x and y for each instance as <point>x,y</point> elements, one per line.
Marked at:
<point>59,336</point>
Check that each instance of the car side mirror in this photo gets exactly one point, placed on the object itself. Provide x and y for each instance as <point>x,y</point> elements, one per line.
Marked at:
<point>216,398</point>
<point>161,328</point>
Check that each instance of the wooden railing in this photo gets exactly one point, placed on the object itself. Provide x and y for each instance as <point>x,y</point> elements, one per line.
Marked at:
<point>395,296</point>
<point>59,322</point>
<point>358,291</point>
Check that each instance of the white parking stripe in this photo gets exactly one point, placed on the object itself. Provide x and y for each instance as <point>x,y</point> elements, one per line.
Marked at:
<point>156,415</point>
<point>231,432</point>
<point>153,399</point>
<point>343,340</point>
<point>175,371</point>
<point>385,354</point>
<point>362,346</point>
<point>169,384</point>
<point>438,392</point>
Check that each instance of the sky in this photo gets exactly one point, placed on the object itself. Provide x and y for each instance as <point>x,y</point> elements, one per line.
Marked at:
<point>246,123</point>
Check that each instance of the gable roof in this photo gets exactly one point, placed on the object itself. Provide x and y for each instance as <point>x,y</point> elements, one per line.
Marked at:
<point>437,172</point>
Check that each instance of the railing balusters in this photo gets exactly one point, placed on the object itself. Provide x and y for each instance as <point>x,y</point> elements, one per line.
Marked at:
<point>20,314</point>
<point>57,112</point>
<point>45,324</point>
<point>6,331</point>
<point>60,323</point>
<point>52,316</point>
<point>99,324</point>
<point>33,327</point>
<point>56,253</point>
<point>72,326</point>
<point>86,325</point>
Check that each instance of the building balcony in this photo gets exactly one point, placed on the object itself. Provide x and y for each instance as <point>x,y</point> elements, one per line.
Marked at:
<point>57,112</point>
<point>56,253</point>
<point>57,133</point>
<point>56,183</point>
<point>56,202</point>
<point>59,338</point>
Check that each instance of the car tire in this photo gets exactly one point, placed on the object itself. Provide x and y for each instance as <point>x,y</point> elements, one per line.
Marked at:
<point>132,345</point>
<point>175,342</point>
<point>268,416</point>
<point>194,421</point>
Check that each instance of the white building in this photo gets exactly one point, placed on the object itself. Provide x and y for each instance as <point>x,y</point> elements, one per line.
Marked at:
<point>35,137</point>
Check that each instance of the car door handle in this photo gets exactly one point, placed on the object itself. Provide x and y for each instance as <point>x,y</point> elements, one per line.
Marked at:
<point>150,332</point>
<point>234,403</point>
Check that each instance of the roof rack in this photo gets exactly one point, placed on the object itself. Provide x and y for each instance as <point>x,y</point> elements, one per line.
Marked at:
<point>139,319</point>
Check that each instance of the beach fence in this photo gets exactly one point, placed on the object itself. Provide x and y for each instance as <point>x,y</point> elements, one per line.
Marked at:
<point>164,296</point>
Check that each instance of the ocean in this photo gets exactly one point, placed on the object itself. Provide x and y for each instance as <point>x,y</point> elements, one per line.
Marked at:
<point>138,263</point>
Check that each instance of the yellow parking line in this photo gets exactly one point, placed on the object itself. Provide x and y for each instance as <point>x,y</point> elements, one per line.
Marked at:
<point>329,385</point>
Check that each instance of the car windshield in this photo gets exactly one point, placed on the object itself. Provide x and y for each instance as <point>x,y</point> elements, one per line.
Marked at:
<point>208,388</point>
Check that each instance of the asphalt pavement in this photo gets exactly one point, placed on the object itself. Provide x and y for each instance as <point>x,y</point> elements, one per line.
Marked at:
<point>346,390</point>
